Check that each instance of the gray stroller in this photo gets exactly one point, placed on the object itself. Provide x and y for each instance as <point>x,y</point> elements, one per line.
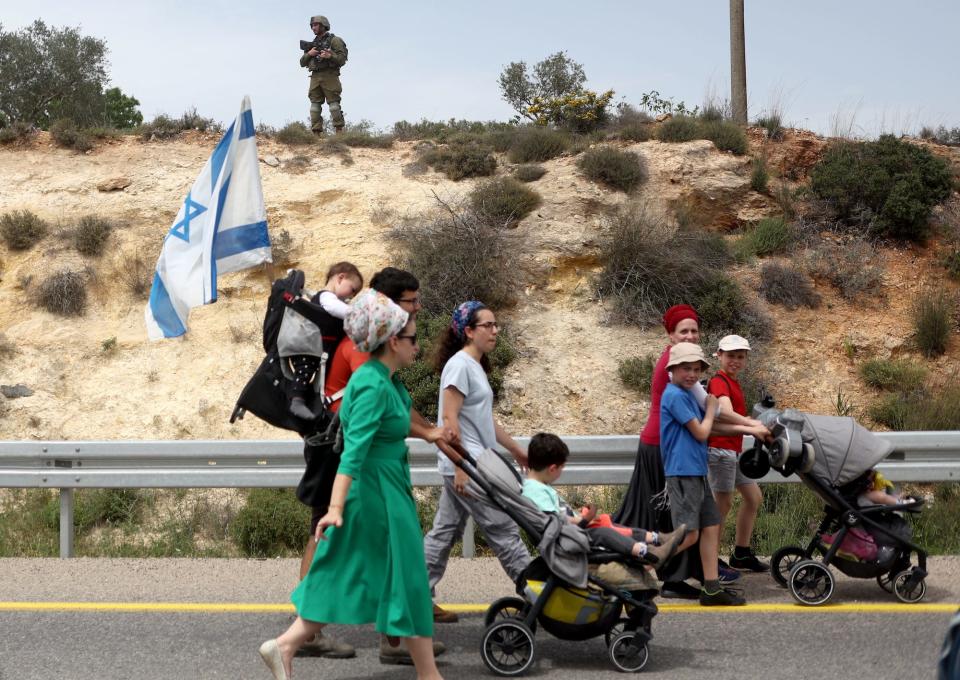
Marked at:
<point>833,457</point>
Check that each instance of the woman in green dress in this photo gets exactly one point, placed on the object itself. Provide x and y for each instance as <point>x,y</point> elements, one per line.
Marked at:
<point>369,565</point>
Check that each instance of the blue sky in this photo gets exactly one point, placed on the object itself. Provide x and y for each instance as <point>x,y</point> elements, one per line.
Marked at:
<point>885,66</point>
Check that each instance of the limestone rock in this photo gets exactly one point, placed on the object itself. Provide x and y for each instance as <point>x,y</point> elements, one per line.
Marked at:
<point>114,184</point>
<point>270,160</point>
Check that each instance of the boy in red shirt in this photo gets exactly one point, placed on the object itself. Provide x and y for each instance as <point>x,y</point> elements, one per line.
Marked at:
<point>723,454</point>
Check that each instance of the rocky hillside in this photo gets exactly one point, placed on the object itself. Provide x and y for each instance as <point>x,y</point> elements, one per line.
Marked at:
<point>98,377</point>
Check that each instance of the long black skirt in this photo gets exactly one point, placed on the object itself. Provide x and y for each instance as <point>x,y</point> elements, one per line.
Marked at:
<point>643,508</point>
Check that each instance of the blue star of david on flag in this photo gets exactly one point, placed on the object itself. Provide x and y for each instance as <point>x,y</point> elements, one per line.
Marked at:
<point>190,210</point>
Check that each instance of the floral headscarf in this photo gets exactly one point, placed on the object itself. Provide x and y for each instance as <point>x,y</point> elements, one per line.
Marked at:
<point>372,319</point>
<point>462,315</point>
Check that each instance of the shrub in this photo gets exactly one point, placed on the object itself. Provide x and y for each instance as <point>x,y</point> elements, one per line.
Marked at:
<point>165,127</point>
<point>581,111</point>
<point>441,131</point>
<point>135,273</point>
<point>96,507</point>
<point>851,267</point>
<point>621,170</point>
<point>91,235</point>
<point>555,77</point>
<point>459,162</point>
<point>920,410</point>
<point>893,374</point>
<point>536,145</point>
<point>296,134</point>
<point>787,286</point>
<point>66,134</point>
<point>723,308</point>
<point>726,136</point>
<point>770,236</point>
<point>630,124</point>
<point>363,135</point>
<point>759,177</point>
<point>64,293</point>
<point>932,322</point>
<point>458,255</point>
<point>529,172</point>
<point>271,524</point>
<point>679,129</point>
<point>15,132</point>
<point>772,126</point>
<point>889,185</point>
<point>7,347</point>
<point>22,229</point>
<point>637,372</point>
<point>503,200</point>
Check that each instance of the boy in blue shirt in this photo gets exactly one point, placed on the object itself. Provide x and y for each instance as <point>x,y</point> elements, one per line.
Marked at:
<point>684,430</point>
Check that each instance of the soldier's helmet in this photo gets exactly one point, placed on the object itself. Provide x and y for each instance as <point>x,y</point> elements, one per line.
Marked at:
<point>322,20</point>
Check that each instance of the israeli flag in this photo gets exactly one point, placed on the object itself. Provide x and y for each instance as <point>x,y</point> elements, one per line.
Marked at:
<point>221,227</point>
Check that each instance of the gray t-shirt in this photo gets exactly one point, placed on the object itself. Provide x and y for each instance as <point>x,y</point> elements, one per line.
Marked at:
<point>477,433</point>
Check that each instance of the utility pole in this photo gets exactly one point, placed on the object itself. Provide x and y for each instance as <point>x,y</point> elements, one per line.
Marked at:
<point>738,64</point>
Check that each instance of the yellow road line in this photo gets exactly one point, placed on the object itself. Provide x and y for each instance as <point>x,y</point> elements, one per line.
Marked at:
<point>473,608</point>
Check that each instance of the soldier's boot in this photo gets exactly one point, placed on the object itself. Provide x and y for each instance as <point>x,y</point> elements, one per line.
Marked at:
<point>316,118</point>
<point>336,115</point>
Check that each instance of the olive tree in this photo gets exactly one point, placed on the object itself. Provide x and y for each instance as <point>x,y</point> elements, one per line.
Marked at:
<point>552,78</point>
<point>48,73</point>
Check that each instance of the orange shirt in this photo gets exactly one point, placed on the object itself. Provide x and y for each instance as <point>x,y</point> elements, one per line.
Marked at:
<point>346,360</point>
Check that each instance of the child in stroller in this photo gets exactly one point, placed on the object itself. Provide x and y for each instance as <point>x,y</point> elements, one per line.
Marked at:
<point>567,590</point>
<point>835,458</point>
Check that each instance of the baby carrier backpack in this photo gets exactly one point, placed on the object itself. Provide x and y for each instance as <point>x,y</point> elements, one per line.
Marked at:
<point>290,327</point>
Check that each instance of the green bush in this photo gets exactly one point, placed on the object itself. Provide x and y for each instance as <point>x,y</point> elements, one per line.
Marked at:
<point>96,507</point>
<point>893,374</point>
<point>679,129</point>
<point>536,144</point>
<point>726,136</point>
<point>15,132</point>
<point>770,236</point>
<point>637,372</point>
<point>165,127</point>
<point>91,234</point>
<point>66,134</point>
<point>951,262</point>
<point>363,135</point>
<point>22,229</point>
<point>723,308</point>
<point>932,322</point>
<point>889,185</point>
<point>621,170</point>
<point>64,293</point>
<point>920,410</point>
<point>759,177</point>
<point>772,125</point>
<point>461,161</point>
<point>296,134</point>
<point>852,267</point>
<point>442,131</point>
<point>787,286</point>
<point>273,523</point>
<point>504,200</point>
<point>529,172</point>
<point>630,124</point>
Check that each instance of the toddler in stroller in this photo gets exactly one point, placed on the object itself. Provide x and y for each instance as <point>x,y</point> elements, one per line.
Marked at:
<point>863,532</point>
<point>567,590</point>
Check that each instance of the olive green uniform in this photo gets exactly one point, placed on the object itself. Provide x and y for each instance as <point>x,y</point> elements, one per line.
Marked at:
<point>325,82</point>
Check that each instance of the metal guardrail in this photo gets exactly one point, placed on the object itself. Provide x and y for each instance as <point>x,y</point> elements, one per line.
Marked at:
<point>601,460</point>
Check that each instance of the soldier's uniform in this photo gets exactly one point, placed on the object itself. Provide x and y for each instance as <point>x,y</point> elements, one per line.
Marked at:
<point>325,77</point>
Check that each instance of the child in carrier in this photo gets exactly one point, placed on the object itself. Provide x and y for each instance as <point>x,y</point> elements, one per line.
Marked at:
<point>547,455</point>
<point>343,281</point>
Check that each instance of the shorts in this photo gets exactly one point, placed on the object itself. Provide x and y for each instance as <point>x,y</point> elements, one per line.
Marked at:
<point>723,472</point>
<point>691,503</point>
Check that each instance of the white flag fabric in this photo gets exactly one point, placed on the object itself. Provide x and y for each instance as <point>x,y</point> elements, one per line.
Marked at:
<point>221,227</point>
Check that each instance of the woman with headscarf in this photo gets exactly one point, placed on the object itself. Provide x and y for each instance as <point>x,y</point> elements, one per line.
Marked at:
<point>466,409</point>
<point>369,565</point>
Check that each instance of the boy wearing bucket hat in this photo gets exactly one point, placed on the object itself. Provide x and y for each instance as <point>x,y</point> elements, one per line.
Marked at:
<point>684,430</point>
<point>723,453</point>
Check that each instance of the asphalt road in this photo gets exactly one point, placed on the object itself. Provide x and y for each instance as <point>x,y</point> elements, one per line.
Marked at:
<point>43,635</point>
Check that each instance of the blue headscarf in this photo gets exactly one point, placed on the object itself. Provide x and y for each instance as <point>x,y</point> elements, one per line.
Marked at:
<point>463,315</point>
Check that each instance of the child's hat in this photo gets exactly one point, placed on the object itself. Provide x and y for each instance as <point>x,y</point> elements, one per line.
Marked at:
<point>686,352</point>
<point>729,343</point>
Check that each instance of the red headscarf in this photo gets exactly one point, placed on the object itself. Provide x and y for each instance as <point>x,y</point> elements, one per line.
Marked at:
<point>678,313</point>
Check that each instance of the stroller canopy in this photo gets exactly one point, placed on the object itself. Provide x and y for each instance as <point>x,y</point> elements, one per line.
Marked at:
<point>844,448</point>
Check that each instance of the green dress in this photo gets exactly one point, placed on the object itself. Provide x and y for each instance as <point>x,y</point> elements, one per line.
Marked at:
<point>372,569</point>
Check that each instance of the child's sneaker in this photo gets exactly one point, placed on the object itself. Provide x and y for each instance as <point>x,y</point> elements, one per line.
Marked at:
<point>748,562</point>
<point>724,597</point>
<point>726,574</point>
<point>658,554</point>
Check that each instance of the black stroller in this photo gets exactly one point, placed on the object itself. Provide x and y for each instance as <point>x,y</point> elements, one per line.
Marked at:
<point>556,591</point>
<point>831,456</point>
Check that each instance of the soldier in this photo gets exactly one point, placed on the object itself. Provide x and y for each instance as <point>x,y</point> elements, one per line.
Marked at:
<point>324,60</point>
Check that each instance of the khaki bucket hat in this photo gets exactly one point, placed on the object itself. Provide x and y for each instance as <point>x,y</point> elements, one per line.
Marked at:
<point>686,352</point>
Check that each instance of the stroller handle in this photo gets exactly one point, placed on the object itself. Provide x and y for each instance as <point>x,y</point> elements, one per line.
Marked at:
<point>456,453</point>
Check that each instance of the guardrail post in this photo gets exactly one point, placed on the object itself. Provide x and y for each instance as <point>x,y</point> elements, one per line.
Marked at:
<point>469,546</point>
<point>66,523</point>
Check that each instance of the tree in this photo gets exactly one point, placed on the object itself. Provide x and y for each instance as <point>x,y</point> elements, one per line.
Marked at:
<point>48,73</point>
<point>121,110</point>
<point>553,78</point>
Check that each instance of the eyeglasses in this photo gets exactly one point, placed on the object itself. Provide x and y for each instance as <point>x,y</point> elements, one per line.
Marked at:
<point>489,325</point>
<point>411,338</point>
<point>412,301</point>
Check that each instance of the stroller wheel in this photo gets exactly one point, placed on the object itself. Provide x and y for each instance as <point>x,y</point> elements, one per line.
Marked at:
<point>504,608</point>
<point>783,562</point>
<point>909,588</point>
<point>885,581</point>
<point>507,647</point>
<point>616,630</point>
<point>629,653</point>
<point>811,582</point>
